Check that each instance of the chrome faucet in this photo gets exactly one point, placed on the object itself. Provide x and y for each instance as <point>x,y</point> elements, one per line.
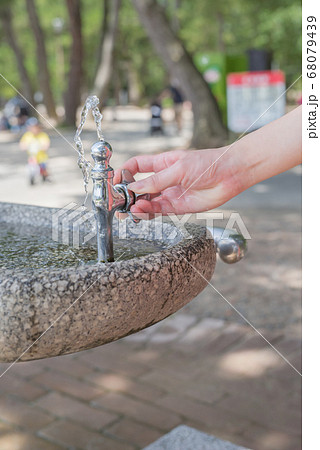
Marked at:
<point>108,198</point>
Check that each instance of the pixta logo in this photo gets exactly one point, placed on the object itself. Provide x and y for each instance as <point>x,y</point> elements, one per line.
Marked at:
<point>73,225</point>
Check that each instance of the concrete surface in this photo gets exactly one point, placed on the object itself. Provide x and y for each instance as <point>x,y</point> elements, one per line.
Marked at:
<point>188,438</point>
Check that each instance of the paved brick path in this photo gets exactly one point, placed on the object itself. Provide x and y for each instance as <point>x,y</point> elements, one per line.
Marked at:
<point>217,377</point>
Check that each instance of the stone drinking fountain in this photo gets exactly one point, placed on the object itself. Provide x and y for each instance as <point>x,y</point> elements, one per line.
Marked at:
<point>57,299</point>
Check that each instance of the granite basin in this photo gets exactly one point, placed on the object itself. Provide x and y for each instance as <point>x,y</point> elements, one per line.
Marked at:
<point>51,311</point>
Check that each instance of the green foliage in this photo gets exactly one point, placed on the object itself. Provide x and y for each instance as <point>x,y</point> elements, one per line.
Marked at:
<point>273,25</point>
<point>134,48</point>
<point>205,25</point>
<point>9,71</point>
<point>91,27</point>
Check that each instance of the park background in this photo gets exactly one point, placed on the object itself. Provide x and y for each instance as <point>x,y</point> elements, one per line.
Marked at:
<point>204,366</point>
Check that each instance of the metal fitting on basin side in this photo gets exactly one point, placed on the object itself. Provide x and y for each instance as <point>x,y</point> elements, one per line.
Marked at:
<point>231,246</point>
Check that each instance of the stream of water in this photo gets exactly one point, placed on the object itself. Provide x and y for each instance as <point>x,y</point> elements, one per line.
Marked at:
<point>91,103</point>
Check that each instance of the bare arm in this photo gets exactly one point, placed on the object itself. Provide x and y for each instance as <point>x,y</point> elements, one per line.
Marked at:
<point>274,148</point>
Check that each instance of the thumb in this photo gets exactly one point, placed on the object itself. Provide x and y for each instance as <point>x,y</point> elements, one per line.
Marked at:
<point>157,182</point>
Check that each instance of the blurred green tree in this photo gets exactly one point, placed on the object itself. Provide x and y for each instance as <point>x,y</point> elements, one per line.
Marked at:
<point>106,50</point>
<point>236,26</point>
<point>138,67</point>
<point>43,72</point>
<point>10,35</point>
<point>72,96</point>
<point>208,129</point>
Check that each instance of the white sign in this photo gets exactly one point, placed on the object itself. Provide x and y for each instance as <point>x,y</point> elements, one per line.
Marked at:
<point>254,99</point>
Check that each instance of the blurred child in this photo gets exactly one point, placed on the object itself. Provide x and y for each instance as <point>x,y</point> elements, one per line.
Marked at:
<point>36,143</point>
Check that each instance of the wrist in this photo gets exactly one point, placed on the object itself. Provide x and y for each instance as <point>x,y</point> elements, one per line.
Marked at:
<point>251,160</point>
<point>238,166</point>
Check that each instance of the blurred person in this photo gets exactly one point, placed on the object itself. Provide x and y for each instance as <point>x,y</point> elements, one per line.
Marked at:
<point>4,123</point>
<point>173,91</point>
<point>156,119</point>
<point>178,100</point>
<point>36,142</point>
<point>16,112</point>
<point>191,181</point>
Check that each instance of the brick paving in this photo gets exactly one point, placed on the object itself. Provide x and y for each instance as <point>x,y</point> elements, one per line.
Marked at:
<point>127,394</point>
<point>202,367</point>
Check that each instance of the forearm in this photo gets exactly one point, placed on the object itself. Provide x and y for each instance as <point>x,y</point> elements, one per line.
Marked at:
<point>271,150</point>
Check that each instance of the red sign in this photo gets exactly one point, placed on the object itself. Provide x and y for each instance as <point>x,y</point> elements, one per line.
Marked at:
<point>256,78</point>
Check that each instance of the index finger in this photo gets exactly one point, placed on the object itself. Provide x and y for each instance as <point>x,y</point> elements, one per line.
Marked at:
<point>152,163</point>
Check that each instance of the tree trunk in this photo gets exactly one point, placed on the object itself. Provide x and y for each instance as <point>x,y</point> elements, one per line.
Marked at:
<point>134,91</point>
<point>72,97</point>
<point>208,127</point>
<point>43,72</point>
<point>104,71</point>
<point>103,30</point>
<point>6,20</point>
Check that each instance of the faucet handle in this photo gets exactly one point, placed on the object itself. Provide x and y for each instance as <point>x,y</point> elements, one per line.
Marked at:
<point>131,197</point>
<point>127,178</point>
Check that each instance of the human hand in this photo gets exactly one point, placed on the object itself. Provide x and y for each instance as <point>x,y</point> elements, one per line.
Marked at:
<point>183,181</point>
